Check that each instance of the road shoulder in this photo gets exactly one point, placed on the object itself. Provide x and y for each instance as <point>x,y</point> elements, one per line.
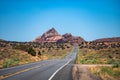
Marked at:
<point>81,72</point>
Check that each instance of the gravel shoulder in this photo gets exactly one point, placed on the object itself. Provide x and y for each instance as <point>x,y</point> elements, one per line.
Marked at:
<point>81,72</point>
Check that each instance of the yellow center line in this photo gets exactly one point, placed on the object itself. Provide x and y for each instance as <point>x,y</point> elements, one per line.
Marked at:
<point>18,72</point>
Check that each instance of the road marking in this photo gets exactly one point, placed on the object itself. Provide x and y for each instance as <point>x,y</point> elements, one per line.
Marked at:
<point>58,70</point>
<point>18,72</point>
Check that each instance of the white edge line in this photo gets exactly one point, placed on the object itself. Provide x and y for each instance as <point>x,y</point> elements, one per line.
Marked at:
<point>58,70</point>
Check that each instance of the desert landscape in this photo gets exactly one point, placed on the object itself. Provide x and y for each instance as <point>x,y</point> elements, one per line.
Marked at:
<point>98,59</point>
<point>59,39</point>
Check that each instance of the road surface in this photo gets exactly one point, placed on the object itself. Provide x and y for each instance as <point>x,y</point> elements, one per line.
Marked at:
<point>57,69</point>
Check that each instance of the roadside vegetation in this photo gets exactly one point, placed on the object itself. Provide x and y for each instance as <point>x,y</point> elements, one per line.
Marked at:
<point>17,53</point>
<point>102,56</point>
<point>101,53</point>
<point>106,73</point>
<point>13,57</point>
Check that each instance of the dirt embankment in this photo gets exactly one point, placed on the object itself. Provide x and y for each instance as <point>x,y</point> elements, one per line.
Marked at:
<point>81,72</point>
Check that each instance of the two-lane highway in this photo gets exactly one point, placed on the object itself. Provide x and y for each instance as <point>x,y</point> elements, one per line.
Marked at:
<point>57,69</point>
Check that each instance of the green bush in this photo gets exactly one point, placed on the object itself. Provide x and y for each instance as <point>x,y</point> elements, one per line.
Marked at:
<point>116,64</point>
<point>31,51</point>
<point>10,62</point>
<point>39,53</point>
<point>110,71</point>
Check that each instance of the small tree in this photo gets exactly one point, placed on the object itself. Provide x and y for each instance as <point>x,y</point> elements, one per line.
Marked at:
<point>31,51</point>
<point>39,53</point>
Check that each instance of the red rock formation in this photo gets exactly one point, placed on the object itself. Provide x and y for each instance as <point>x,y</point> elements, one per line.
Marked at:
<point>68,37</point>
<point>49,36</point>
<point>53,36</point>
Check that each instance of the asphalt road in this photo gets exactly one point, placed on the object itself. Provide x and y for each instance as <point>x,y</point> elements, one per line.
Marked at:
<point>57,69</point>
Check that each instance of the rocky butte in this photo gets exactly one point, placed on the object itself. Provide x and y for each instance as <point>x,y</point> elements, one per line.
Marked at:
<point>53,36</point>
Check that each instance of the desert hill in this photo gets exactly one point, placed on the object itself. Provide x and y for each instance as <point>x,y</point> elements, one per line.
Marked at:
<point>114,39</point>
<point>53,36</point>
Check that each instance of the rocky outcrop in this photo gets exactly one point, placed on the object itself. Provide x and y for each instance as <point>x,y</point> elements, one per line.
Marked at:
<point>53,36</point>
<point>68,37</point>
<point>49,36</point>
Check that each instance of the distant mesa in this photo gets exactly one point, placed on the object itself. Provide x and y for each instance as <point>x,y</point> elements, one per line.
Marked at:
<point>53,36</point>
<point>114,39</point>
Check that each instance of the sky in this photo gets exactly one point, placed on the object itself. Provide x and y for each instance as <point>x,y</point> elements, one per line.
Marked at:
<point>24,20</point>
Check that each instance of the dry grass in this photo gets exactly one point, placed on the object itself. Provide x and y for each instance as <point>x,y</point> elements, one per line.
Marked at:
<point>106,73</point>
<point>56,52</point>
<point>102,56</point>
<point>11,57</point>
<point>59,54</point>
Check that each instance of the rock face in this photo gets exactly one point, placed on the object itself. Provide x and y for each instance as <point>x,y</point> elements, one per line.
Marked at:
<point>114,39</point>
<point>53,36</point>
<point>68,37</point>
<point>50,36</point>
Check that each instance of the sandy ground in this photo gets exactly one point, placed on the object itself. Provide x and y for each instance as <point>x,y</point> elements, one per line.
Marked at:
<point>81,72</point>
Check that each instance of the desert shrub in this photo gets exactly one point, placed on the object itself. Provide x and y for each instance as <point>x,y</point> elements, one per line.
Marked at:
<point>22,47</point>
<point>68,46</point>
<point>43,51</point>
<point>116,64</point>
<point>31,51</point>
<point>106,73</point>
<point>62,47</point>
<point>39,53</point>
<point>92,61</point>
<point>110,61</point>
<point>10,62</point>
<point>110,71</point>
<point>89,61</point>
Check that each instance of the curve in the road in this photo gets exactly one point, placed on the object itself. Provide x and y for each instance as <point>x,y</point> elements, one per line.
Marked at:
<point>43,70</point>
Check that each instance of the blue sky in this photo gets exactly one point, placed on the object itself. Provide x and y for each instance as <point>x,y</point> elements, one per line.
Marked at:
<point>24,20</point>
